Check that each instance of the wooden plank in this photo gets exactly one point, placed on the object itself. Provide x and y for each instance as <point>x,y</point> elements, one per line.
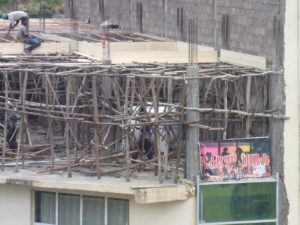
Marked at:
<point>145,52</point>
<point>45,48</point>
<point>52,48</point>
<point>242,59</point>
<point>161,57</point>
<point>87,56</point>
<point>143,46</point>
<point>52,37</point>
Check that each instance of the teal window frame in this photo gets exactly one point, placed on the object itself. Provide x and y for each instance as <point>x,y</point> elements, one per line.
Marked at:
<point>270,219</point>
<point>122,208</point>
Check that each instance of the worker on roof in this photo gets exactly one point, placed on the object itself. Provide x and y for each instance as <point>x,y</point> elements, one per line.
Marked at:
<point>14,18</point>
<point>24,37</point>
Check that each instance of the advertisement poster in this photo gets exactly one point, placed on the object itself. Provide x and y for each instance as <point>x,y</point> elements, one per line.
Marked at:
<point>235,160</point>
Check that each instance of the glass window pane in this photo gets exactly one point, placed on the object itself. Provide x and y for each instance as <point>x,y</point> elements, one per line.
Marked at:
<point>93,210</point>
<point>68,209</point>
<point>117,212</point>
<point>45,207</point>
<point>238,202</point>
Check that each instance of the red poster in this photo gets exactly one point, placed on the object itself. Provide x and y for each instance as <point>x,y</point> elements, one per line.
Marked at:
<point>235,160</point>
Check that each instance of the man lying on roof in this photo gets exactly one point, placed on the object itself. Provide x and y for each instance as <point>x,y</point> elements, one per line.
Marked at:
<point>14,18</point>
<point>24,37</point>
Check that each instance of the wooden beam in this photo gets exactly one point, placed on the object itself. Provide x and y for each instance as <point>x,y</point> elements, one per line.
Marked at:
<point>143,46</point>
<point>143,52</point>
<point>242,59</point>
<point>45,48</point>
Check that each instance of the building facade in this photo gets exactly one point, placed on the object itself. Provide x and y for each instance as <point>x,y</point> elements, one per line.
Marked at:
<point>264,28</point>
<point>81,203</point>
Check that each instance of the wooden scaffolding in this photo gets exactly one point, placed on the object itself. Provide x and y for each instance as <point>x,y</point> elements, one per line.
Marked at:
<point>82,116</point>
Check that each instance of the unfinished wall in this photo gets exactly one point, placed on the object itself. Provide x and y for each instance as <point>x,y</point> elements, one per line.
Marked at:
<point>248,26</point>
<point>15,205</point>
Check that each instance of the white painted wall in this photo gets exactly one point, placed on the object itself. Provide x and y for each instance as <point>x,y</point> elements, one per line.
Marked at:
<point>15,205</point>
<point>16,208</point>
<point>174,213</point>
<point>291,130</point>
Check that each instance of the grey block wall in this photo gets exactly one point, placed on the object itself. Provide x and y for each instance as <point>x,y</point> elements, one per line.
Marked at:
<point>252,24</point>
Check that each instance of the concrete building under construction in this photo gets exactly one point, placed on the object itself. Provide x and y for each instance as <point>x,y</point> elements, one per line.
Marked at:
<point>259,28</point>
<point>187,113</point>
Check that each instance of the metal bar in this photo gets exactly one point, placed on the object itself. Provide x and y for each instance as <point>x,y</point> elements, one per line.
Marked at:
<point>196,41</point>
<point>277,199</point>
<point>189,41</point>
<point>105,211</point>
<point>43,224</point>
<point>56,208</point>
<point>198,199</point>
<point>247,138</point>
<point>240,222</point>
<point>181,24</point>
<point>201,196</point>
<point>261,180</point>
<point>81,210</point>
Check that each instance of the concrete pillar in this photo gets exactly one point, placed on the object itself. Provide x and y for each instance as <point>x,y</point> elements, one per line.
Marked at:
<point>165,5</point>
<point>106,89</point>
<point>215,44</point>
<point>192,134</point>
<point>291,126</point>
<point>276,95</point>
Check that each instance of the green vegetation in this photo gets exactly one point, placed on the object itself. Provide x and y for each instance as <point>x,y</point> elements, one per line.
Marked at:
<point>33,7</point>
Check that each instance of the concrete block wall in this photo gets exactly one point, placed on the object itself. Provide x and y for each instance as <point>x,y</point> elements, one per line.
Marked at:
<point>251,27</point>
<point>94,11</point>
<point>120,12</point>
<point>78,9</point>
<point>200,11</point>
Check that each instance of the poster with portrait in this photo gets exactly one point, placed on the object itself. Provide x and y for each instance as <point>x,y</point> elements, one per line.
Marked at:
<point>235,159</point>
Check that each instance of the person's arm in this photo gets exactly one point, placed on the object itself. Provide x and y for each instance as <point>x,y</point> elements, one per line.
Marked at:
<point>11,21</point>
<point>12,26</point>
<point>17,22</point>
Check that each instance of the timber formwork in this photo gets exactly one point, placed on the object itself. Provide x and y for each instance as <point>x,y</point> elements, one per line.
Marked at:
<point>62,30</point>
<point>82,116</point>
